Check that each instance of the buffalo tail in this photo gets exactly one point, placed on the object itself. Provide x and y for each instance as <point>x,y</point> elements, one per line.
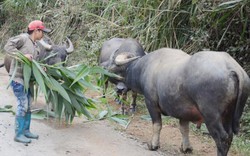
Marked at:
<point>242,95</point>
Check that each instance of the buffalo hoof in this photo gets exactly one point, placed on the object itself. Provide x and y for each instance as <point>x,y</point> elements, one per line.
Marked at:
<point>152,148</point>
<point>132,110</point>
<point>124,111</point>
<point>118,101</point>
<point>186,150</point>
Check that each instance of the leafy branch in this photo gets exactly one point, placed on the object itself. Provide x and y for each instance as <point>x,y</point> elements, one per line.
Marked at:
<point>62,87</point>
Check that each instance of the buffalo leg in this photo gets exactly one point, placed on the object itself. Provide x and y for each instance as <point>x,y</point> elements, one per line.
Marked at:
<point>217,131</point>
<point>133,104</point>
<point>157,125</point>
<point>184,128</point>
<point>227,124</point>
<point>105,88</point>
<point>123,105</point>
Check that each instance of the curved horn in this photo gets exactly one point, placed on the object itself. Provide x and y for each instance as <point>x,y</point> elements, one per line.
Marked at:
<point>118,77</point>
<point>45,45</point>
<point>122,59</point>
<point>70,49</point>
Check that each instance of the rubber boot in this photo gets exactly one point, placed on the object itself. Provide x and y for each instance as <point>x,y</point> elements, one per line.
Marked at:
<point>19,123</point>
<point>27,132</point>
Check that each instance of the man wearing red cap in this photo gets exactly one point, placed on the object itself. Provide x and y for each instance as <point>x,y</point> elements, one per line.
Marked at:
<point>26,44</point>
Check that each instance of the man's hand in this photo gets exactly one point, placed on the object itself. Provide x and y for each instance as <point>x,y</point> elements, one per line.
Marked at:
<point>29,56</point>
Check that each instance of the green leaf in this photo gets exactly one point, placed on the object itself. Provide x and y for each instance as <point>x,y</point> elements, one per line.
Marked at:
<point>22,58</point>
<point>84,71</point>
<point>39,79</point>
<point>86,112</point>
<point>51,55</point>
<point>229,4</point>
<point>102,114</point>
<point>91,103</point>
<point>57,86</point>
<point>146,117</point>
<point>59,106</point>
<point>67,73</point>
<point>88,85</point>
<point>39,67</point>
<point>8,106</point>
<point>6,110</point>
<point>53,72</point>
<point>27,76</point>
<point>68,107</point>
<point>40,115</point>
<point>120,121</point>
<point>74,102</point>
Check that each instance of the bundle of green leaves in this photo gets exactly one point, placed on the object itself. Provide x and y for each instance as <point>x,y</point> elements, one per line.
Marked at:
<point>63,87</point>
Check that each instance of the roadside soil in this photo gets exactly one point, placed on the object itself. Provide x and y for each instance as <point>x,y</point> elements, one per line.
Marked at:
<point>94,138</point>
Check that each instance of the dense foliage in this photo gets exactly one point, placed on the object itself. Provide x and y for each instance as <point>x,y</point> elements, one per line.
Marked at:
<point>191,25</point>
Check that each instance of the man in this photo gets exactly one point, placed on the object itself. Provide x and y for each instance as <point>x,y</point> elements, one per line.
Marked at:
<point>26,44</point>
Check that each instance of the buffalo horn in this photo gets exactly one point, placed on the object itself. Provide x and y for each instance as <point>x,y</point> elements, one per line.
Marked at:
<point>122,59</point>
<point>120,78</point>
<point>45,45</point>
<point>70,49</point>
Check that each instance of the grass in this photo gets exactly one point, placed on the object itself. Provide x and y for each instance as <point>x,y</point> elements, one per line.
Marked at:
<point>241,146</point>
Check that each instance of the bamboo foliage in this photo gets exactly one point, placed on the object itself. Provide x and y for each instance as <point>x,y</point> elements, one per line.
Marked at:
<point>62,87</point>
<point>190,25</point>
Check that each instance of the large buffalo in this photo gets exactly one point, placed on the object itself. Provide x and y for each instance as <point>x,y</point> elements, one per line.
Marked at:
<point>53,53</point>
<point>107,51</point>
<point>209,87</point>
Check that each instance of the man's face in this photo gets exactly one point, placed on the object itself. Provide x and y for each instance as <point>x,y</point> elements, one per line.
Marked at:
<point>38,34</point>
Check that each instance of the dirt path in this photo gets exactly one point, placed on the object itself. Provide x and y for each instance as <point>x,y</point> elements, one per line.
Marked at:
<point>100,138</point>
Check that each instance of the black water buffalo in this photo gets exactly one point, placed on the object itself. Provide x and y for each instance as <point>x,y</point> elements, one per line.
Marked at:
<point>107,51</point>
<point>209,87</point>
<point>53,53</point>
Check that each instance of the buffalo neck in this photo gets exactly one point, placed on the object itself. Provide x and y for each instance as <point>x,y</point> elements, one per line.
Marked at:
<point>132,75</point>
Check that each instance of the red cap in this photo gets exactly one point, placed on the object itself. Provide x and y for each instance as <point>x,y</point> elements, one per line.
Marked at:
<point>37,24</point>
